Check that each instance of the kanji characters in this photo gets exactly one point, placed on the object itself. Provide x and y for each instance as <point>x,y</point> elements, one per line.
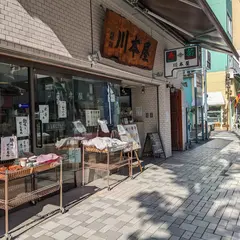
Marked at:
<point>122,40</point>
<point>145,51</point>
<point>134,48</point>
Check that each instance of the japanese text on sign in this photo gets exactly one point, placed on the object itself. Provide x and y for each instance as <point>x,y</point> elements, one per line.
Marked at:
<point>22,124</point>
<point>9,148</point>
<point>126,43</point>
<point>188,57</point>
<point>23,146</point>
<point>44,113</point>
<point>62,109</point>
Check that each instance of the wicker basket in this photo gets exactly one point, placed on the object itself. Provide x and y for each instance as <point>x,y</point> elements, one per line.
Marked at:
<point>94,149</point>
<point>45,167</point>
<point>20,173</point>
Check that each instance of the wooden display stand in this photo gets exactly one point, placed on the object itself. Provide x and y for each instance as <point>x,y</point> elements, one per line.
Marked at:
<point>108,166</point>
<point>127,137</point>
<point>9,203</point>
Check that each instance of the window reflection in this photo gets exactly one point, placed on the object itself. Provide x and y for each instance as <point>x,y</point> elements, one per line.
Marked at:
<point>14,97</point>
<point>96,99</point>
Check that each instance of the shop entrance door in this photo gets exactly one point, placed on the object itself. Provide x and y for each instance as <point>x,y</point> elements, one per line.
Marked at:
<point>176,120</point>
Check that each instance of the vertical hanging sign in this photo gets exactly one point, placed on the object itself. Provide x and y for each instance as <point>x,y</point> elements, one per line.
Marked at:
<point>62,109</point>
<point>22,125</point>
<point>44,113</point>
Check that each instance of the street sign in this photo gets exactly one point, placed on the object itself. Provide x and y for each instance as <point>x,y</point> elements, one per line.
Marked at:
<point>182,58</point>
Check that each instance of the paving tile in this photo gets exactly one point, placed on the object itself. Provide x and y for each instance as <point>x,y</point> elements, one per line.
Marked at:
<point>161,234</point>
<point>223,232</point>
<point>200,230</point>
<point>76,237</point>
<point>82,217</point>
<point>208,236</point>
<point>79,230</point>
<point>67,221</point>
<point>212,226</point>
<point>188,227</point>
<point>176,231</point>
<point>49,226</point>
<point>174,238</point>
<point>62,235</point>
<point>95,226</point>
<point>39,234</point>
<point>44,237</point>
<point>187,235</point>
<point>125,217</point>
<point>200,223</point>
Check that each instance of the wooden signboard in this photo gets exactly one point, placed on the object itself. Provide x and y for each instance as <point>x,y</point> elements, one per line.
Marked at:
<point>153,145</point>
<point>127,44</point>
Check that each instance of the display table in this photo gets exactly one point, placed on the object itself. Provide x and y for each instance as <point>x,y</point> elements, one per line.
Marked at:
<point>108,165</point>
<point>6,177</point>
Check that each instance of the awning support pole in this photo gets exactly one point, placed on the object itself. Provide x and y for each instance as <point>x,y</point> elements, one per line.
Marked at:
<point>205,93</point>
<point>195,96</point>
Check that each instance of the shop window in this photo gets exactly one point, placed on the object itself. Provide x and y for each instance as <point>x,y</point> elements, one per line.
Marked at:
<point>95,100</point>
<point>14,104</point>
<point>54,110</point>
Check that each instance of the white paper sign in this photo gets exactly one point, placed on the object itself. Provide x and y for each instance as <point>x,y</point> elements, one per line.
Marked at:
<point>181,58</point>
<point>44,113</point>
<point>62,109</point>
<point>103,125</point>
<point>121,130</point>
<point>139,112</point>
<point>9,148</point>
<point>133,131</point>
<point>92,117</point>
<point>22,124</point>
<point>79,126</point>
<point>23,146</point>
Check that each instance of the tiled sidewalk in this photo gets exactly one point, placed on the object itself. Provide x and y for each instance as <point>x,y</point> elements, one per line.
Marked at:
<point>187,197</point>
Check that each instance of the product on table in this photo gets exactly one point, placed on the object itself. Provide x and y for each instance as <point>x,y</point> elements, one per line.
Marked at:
<point>14,168</point>
<point>3,169</point>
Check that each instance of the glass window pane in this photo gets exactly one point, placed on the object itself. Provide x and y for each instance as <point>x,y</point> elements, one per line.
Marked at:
<point>95,100</point>
<point>14,104</point>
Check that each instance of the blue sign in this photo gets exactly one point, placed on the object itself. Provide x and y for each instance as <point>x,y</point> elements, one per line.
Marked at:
<point>24,105</point>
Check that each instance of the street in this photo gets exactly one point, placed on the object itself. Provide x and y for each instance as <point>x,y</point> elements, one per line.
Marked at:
<point>190,196</point>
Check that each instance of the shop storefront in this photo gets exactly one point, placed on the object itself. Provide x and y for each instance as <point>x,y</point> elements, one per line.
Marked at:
<point>53,100</point>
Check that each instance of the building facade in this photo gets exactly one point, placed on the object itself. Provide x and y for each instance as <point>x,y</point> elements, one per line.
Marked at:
<point>222,91</point>
<point>53,74</point>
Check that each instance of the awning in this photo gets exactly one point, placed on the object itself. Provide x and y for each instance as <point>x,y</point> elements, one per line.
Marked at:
<point>215,99</point>
<point>191,21</point>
